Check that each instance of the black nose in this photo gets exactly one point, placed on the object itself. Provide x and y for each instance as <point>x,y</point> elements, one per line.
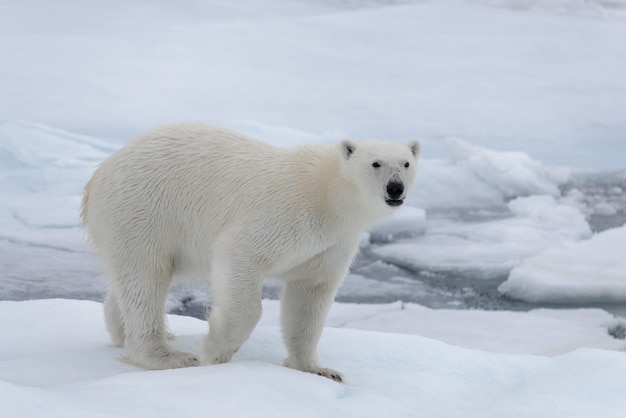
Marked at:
<point>395,190</point>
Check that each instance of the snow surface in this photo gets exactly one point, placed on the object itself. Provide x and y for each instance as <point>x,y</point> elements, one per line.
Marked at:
<point>493,247</point>
<point>55,361</point>
<point>545,75</point>
<point>589,270</point>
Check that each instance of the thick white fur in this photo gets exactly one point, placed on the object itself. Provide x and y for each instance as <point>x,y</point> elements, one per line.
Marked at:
<point>200,200</point>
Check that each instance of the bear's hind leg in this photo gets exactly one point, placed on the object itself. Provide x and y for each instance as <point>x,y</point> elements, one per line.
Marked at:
<point>141,299</point>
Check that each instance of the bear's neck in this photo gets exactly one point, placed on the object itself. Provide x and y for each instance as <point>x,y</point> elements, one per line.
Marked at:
<point>341,199</point>
<point>352,210</point>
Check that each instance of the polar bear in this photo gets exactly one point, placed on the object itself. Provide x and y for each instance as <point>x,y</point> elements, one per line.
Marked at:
<point>194,199</point>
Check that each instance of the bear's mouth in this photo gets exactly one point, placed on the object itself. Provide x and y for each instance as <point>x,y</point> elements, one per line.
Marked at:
<point>394,202</point>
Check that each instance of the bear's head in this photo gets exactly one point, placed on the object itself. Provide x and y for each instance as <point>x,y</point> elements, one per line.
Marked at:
<point>383,171</point>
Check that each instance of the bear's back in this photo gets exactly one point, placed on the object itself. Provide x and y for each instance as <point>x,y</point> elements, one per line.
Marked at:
<point>191,180</point>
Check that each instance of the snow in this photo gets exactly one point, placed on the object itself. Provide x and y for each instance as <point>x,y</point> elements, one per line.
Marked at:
<point>512,173</point>
<point>43,171</point>
<point>406,222</point>
<point>539,331</point>
<point>591,270</point>
<point>56,361</point>
<point>492,247</point>
<point>537,75</point>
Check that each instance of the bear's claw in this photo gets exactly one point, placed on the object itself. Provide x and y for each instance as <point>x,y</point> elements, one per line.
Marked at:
<point>330,374</point>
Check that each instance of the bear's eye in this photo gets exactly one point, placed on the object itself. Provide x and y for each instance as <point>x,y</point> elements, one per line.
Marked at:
<point>375,164</point>
<point>406,165</point>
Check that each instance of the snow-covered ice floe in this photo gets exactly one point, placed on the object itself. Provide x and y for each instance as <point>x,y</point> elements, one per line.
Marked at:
<point>587,271</point>
<point>42,173</point>
<point>490,248</point>
<point>523,196</point>
<point>56,361</point>
<point>478,177</point>
<point>491,213</point>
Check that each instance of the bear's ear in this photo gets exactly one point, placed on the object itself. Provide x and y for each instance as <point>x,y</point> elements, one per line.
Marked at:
<point>347,148</point>
<point>415,147</point>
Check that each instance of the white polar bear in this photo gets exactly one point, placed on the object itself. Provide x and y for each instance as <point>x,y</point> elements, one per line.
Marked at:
<point>194,199</point>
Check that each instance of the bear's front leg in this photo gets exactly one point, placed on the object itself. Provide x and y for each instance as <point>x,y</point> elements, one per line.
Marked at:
<point>304,307</point>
